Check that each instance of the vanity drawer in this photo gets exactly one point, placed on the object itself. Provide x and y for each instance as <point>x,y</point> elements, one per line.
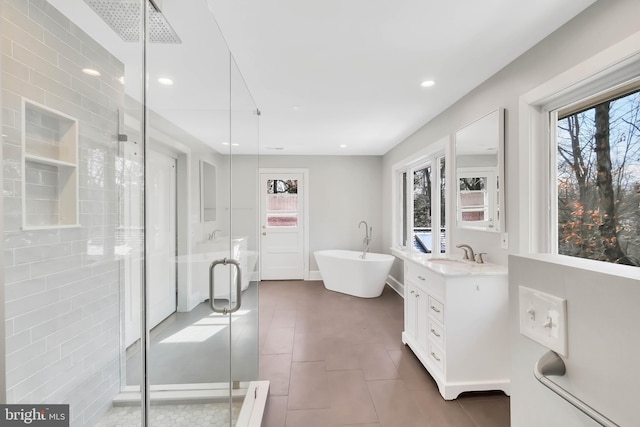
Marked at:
<point>435,332</point>
<point>425,278</point>
<point>436,309</point>
<point>436,356</point>
<point>416,273</point>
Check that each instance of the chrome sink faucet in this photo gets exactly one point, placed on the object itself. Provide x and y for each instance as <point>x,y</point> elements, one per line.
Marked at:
<point>367,238</point>
<point>468,251</point>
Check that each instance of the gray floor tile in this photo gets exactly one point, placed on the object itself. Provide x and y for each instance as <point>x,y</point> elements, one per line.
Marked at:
<point>275,413</point>
<point>348,366</point>
<point>308,387</point>
<point>487,412</point>
<point>277,369</point>
<point>350,399</point>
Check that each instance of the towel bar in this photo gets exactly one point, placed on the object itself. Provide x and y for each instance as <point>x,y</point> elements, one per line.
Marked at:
<point>552,364</point>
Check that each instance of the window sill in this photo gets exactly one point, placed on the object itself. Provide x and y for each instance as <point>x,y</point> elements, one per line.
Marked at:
<point>625,271</point>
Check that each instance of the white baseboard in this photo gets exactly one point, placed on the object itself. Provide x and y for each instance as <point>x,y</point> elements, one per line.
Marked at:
<point>395,285</point>
<point>315,275</point>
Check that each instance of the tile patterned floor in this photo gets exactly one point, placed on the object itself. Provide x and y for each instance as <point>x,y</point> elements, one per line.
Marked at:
<point>200,415</point>
<point>337,360</point>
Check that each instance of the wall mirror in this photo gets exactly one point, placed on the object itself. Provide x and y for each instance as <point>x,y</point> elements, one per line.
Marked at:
<point>480,172</point>
<point>207,192</point>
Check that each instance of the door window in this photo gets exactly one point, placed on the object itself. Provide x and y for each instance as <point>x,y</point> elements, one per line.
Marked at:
<point>282,203</point>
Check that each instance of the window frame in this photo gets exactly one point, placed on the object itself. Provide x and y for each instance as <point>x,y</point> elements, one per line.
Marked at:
<point>604,72</point>
<point>402,179</point>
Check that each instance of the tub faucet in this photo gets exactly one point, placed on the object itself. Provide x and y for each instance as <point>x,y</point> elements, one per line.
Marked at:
<point>367,238</point>
<point>468,252</point>
<point>212,235</point>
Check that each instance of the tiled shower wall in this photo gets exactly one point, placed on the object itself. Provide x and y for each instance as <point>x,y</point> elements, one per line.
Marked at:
<point>62,284</point>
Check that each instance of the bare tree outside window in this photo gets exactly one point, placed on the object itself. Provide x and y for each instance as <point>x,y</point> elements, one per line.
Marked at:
<point>598,167</point>
<point>422,198</point>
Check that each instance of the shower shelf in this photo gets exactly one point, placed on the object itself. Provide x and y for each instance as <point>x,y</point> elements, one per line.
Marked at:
<point>47,161</point>
<point>49,168</point>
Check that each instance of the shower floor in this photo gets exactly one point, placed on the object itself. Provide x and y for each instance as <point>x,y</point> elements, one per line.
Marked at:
<point>192,347</point>
<point>193,415</point>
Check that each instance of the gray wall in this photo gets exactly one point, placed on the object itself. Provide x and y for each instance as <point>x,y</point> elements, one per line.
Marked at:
<point>599,27</point>
<point>343,190</point>
<point>603,342</point>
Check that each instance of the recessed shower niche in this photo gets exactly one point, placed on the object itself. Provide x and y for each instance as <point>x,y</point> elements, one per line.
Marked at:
<point>50,167</point>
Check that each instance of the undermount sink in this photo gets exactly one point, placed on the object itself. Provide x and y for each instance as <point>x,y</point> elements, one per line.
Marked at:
<point>447,261</point>
<point>456,267</point>
<point>450,266</point>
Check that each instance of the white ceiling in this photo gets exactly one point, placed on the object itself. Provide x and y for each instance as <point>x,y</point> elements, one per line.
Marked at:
<point>331,72</point>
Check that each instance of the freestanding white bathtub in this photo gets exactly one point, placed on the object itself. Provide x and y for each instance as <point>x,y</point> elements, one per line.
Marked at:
<point>344,271</point>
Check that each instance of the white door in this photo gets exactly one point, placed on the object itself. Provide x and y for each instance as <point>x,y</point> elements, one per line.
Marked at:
<point>282,226</point>
<point>161,236</point>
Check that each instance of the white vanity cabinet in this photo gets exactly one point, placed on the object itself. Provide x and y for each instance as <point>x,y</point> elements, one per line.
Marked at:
<point>456,324</point>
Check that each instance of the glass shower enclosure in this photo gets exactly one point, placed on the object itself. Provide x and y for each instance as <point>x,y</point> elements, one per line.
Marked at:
<point>129,152</point>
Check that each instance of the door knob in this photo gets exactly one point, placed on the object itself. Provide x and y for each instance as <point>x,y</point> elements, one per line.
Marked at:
<point>264,233</point>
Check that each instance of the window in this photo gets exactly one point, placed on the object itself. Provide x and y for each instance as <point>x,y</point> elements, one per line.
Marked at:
<point>421,205</point>
<point>598,177</point>
<point>282,203</point>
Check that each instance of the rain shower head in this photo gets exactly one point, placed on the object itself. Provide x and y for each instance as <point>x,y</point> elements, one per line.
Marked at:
<point>123,16</point>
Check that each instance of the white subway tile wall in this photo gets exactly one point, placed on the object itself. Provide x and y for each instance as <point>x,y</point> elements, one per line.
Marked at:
<point>62,284</point>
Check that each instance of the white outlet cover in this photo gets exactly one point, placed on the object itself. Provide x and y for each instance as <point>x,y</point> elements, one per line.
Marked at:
<point>504,241</point>
<point>543,318</point>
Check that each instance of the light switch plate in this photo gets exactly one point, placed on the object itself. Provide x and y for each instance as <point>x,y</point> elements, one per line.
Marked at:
<point>504,241</point>
<point>543,318</point>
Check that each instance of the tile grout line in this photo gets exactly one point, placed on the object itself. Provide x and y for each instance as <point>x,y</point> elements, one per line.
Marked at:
<point>373,403</point>
<point>473,420</point>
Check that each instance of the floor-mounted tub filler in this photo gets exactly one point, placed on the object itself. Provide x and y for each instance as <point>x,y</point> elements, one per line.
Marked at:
<point>347,272</point>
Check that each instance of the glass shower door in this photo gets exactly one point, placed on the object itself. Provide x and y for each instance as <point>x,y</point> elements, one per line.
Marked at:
<point>107,246</point>
<point>202,362</point>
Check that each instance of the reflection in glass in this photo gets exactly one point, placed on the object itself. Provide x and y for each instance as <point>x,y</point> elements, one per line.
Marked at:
<point>473,198</point>
<point>478,162</point>
<point>207,191</point>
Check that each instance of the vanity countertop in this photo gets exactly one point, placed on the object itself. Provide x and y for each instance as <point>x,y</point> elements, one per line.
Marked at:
<point>451,266</point>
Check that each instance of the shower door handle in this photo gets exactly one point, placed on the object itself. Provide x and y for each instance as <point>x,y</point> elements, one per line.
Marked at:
<point>229,309</point>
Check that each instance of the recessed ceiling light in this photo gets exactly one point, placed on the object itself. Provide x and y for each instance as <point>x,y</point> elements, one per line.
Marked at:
<point>232,144</point>
<point>343,145</point>
<point>4,135</point>
<point>91,72</point>
<point>427,83</point>
<point>297,107</point>
<point>165,81</point>
<point>121,79</point>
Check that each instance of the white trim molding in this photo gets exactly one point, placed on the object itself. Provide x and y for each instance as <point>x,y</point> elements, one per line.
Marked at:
<point>305,187</point>
<point>605,70</point>
<point>396,285</point>
<point>315,275</point>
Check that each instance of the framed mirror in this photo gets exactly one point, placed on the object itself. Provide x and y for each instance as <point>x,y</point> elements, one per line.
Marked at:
<point>479,165</point>
<point>207,192</point>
